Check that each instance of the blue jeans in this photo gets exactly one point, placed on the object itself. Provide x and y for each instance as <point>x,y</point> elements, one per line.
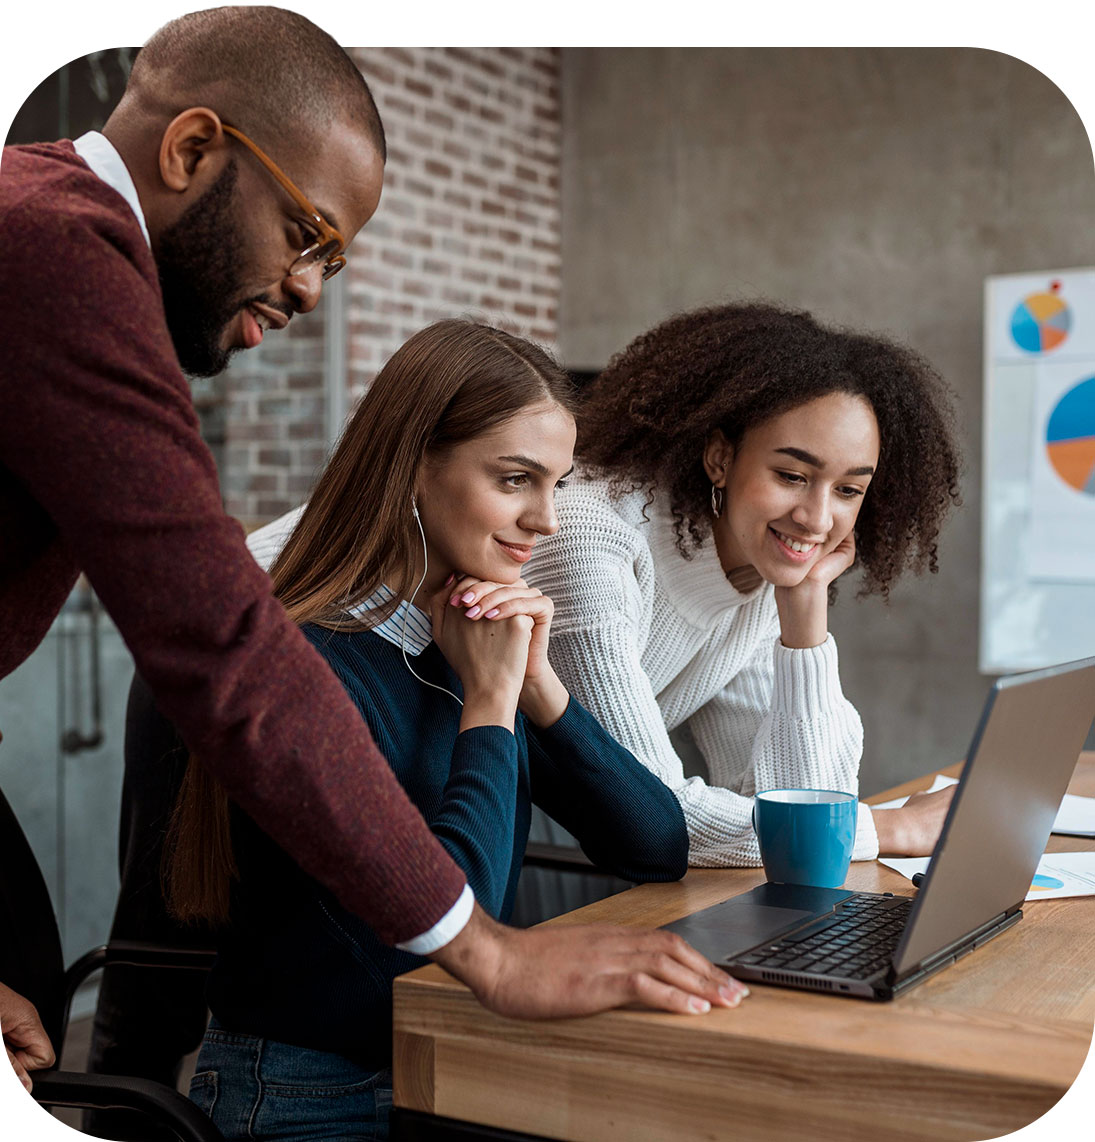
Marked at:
<point>258,1089</point>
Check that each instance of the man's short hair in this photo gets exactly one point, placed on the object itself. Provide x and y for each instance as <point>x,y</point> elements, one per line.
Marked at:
<point>269,72</point>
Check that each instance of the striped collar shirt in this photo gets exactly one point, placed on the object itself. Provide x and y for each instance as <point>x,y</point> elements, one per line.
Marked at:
<point>267,541</point>
<point>407,627</point>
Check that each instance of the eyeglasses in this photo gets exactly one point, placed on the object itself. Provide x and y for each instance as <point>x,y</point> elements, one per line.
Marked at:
<point>326,249</point>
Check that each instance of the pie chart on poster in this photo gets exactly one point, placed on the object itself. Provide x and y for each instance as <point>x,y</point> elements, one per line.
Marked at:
<point>1070,437</point>
<point>1041,321</point>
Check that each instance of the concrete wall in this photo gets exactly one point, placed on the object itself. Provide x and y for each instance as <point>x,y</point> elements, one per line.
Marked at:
<point>875,187</point>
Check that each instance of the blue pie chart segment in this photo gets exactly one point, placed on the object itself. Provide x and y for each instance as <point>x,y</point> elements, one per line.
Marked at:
<point>1041,322</point>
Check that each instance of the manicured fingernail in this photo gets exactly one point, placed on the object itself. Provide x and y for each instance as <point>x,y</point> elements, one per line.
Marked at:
<point>490,614</point>
<point>454,601</point>
<point>471,612</point>
<point>700,1005</point>
<point>733,994</point>
<point>450,580</point>
<point>468,597</point>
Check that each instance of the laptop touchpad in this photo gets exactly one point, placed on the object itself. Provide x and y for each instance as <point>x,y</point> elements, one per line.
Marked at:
<point>735,926</point>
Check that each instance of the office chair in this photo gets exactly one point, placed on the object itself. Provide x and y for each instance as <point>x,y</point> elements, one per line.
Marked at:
<point>31,963</point>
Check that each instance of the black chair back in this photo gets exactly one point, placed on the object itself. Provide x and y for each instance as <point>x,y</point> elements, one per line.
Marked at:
<point>31,961</point>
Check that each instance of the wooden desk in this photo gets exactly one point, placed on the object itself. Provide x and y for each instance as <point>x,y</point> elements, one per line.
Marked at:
<point>977,1051</point>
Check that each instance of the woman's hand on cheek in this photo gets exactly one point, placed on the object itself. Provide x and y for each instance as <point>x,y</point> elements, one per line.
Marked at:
<point>804,608</point>
<point>832,565</point>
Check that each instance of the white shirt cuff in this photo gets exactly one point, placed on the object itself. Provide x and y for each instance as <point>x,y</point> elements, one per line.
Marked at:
<point>446,929</point>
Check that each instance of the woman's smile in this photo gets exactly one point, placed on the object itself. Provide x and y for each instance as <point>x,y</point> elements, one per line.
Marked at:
<point>797,550</point>
<point>519,552</point>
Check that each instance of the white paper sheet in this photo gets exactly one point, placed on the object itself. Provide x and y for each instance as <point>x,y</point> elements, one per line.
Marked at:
<point>1076,816</point>
<point>1058,875</point>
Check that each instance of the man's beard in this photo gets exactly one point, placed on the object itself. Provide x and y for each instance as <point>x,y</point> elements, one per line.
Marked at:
<point>199,259</point>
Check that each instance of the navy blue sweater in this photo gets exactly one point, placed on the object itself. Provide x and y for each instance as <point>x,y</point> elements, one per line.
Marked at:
<point>297,967</point>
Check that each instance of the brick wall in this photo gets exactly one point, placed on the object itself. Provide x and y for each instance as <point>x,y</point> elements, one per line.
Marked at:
<point>468,225</point>
<point>274,439</point>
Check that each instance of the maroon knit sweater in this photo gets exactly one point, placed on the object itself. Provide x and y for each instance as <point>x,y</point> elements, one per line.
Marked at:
<point>102,470</point>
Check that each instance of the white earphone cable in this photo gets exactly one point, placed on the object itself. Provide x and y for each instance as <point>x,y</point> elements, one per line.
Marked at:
<point>403,631</point>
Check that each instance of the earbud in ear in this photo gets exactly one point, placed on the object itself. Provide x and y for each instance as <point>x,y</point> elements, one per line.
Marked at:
<point>414,507</point>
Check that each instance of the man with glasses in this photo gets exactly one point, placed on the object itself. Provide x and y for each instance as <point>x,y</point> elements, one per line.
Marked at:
<point>243,158</point>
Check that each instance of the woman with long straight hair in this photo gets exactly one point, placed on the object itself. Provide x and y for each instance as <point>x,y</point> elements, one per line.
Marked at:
<point>443,482</point>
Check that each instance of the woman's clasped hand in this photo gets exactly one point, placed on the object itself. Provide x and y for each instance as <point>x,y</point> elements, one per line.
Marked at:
<point>506,653</point>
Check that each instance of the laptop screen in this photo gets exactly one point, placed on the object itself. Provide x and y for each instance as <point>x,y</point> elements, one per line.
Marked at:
<point>1020,761</point>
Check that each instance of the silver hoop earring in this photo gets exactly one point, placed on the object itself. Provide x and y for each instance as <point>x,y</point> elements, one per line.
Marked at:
<point>716,500</point>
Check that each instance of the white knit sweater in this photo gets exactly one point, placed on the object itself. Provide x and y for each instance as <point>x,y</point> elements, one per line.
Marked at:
<point>649,640</point>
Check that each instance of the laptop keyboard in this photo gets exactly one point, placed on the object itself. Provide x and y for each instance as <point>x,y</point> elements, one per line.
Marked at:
<point>856,942</point>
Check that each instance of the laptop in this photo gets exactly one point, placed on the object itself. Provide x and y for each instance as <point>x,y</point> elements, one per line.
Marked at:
<point>876,946</point>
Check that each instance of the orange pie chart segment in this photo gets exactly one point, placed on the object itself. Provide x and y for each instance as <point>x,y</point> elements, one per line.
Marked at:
<point>1074,461</point>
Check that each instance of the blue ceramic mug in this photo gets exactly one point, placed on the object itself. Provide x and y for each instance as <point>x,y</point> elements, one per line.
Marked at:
<point>806,835</point>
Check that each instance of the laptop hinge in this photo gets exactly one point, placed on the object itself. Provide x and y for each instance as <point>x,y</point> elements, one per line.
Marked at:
<point>957,949</point>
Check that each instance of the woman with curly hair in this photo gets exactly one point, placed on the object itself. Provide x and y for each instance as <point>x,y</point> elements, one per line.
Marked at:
<point>736,461</point>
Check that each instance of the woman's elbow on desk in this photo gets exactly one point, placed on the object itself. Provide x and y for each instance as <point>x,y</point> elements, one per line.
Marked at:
<point>654,849</point>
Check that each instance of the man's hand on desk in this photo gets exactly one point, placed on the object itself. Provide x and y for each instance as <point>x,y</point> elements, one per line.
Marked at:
<point>913,829</point>
<point>24,1036</point>
<point>544,973</point>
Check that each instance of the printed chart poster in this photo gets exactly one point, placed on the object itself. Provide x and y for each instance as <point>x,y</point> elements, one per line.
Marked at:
<point>1042,317</point>
<point>1042,327</point>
